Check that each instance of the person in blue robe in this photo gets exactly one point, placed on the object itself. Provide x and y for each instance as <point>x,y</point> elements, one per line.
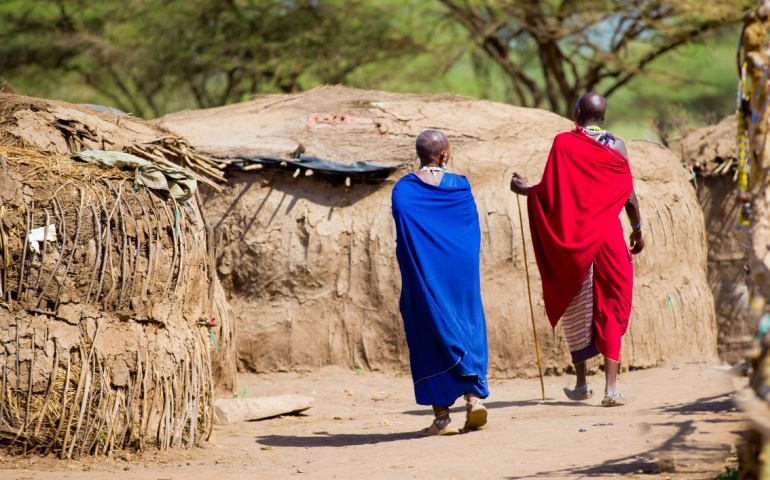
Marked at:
<point>438,239</point>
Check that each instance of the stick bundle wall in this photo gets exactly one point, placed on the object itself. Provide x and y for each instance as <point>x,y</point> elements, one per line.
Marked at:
<point>102,346</point>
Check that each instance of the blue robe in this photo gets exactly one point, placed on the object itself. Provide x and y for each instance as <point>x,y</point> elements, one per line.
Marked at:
<point>437,245</point>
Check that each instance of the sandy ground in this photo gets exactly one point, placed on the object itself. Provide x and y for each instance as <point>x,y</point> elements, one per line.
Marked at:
<point>682,425</point>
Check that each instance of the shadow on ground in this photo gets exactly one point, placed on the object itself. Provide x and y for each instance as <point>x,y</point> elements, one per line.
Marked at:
<point>460,405</point>
<point>660,458</point>
<point>326,439</point>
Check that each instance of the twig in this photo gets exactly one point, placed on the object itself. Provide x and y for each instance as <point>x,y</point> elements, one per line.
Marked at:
<point>63,409</point>
<point>73,410</point>
<point>138,246</point>
<point>107,250</point>
<point>2,387</point>
<point>31,375</point>
<point>61,254</point>
<point>42,251</point>
<point>6,293</point>
<point>145,286</point>
<point>51,381</point>
<point>97,260</point>
<point>72,253</point>
<point>182,244</point>
<point>24,250</point>
<point>174,258</point>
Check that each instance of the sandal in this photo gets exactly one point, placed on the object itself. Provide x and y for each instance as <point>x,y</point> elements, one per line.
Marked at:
<point>614,400</point>
<point>579,393</point>
<point>439,427</point>
<point>476,413</point>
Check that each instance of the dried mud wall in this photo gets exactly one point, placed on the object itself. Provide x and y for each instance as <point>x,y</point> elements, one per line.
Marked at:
<point>310,268</point>
<point>101,342</point>
<point>727,262</point>
<point>711,153</point>
<point>61,127</point>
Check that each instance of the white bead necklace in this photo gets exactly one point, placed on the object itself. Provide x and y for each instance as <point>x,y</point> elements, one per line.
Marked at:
<point>434,170</point>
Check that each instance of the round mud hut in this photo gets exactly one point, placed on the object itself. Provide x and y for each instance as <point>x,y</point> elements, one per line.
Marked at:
<point>110,310</point>
<point>305,238</point>
<point>711,154</point>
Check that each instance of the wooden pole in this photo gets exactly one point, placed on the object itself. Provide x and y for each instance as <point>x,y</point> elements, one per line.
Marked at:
<point>529,294</point>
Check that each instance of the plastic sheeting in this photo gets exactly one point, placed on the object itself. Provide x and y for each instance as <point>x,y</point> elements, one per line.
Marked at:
<point>175,182</point>
<point>317,165</point>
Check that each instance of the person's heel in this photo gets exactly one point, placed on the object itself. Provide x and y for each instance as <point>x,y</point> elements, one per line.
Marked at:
<point>476,413</point>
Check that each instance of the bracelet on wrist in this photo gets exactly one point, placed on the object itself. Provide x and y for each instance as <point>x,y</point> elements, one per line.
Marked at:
<point>638,226</point>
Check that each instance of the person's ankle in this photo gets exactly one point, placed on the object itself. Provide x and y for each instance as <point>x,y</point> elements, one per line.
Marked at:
<point>442,423</point>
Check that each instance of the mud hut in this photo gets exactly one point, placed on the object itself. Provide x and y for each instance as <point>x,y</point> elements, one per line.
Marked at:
<point>107,291</point>
<point>307,256</point>
<point>711,154</point>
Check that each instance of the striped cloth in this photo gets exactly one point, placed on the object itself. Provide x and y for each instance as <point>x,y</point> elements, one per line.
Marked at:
<point>578,320</point>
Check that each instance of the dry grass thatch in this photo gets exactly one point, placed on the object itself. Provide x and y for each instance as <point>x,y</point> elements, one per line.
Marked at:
<point>103,334</point>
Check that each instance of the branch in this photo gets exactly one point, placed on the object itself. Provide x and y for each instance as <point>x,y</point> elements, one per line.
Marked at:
<point>491,43</point>
<point>674,43</point>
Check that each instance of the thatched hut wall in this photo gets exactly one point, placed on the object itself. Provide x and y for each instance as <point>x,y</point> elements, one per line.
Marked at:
<point>711,154</point>
<point>60,127</point>
<point>309,263</point>
<point>105,343</point>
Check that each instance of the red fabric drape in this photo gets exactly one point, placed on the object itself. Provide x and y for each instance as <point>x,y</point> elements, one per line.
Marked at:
<point>573,217</point>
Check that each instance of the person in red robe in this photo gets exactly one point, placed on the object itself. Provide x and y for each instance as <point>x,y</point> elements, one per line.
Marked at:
<point>585,264</point>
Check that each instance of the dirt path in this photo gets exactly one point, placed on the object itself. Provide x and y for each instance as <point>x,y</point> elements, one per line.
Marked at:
<point>683,422</point>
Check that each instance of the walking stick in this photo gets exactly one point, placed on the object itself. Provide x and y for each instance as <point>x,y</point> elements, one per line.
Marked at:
<point>529,294</point>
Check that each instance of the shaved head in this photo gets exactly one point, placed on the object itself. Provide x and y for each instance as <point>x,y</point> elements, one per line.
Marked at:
<point>431,144</point>
<point>590,109</point>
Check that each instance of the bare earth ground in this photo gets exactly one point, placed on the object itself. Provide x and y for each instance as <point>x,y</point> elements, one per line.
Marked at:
<point>683,425</point>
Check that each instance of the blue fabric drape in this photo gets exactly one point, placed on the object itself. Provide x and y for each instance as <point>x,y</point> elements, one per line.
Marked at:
<point>437,246</point>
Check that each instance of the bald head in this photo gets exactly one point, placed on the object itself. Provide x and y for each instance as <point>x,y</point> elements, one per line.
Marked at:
<point>590,109</point>
<point>432,147</point>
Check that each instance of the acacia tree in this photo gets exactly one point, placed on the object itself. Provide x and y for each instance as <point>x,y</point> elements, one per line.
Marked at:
<point>552,51</point>
<point>143,56</point>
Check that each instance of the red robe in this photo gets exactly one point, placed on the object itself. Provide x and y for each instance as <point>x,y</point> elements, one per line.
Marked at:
<point>574,220</point>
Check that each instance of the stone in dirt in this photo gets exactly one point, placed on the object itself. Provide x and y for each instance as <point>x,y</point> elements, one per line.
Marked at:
<point>234,410</point>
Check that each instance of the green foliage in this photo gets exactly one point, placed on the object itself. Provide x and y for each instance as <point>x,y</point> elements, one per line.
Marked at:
<point>550,52</point>
<point>729,474</point>
<point>152,56</point>
<point>242,394</point>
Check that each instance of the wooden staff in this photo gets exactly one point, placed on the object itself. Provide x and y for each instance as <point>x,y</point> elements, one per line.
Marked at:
<point>529,294</point>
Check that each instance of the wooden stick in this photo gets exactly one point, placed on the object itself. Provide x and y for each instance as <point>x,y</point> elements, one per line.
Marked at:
<point>61,254</point>
<point>24,250</point>
<point>31,375</point>
<point>529,294</point>
<point>4,240</point>
<point>51,381</point>
<point>138,249</point>
<point>182,244</point>
<point>176,252</point>
<point>63,410</point>
<point>97,260</point>
<point>107,254</point>
<point>2,386</point>
<point>42,251</point>
<point>72,253</point>
<point>86,396</point>
<point>18,362</point>
<point>73,409</point>
<point>145,214</point>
